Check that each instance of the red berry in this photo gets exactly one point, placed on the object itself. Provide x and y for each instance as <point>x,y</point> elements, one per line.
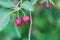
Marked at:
<point>26,18</point>
<point>39,3</point>
<point>19,21</point>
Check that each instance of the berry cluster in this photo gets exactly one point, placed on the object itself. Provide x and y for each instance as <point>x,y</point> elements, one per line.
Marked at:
<point>50,5</point>
<point>19,20</point>
<point>47,5</point>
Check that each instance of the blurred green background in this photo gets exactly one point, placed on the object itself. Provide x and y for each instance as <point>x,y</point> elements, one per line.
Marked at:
<point>46,25</point>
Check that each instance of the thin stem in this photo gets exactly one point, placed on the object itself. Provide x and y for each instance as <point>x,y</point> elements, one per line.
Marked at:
<point>23,12</point>
<point>30,29</point>
<point>47,1</point>
<point>18,12</point>
<point>19,3</point>
<point>51,1</point>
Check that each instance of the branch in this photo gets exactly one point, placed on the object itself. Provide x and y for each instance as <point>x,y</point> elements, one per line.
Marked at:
<point>30,29</point>
<point>16,1</point>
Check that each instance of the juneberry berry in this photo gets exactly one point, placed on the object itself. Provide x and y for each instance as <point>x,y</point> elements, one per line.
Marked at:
<point>26,18</point>
<point>18,21</point>
<point>39,3</point>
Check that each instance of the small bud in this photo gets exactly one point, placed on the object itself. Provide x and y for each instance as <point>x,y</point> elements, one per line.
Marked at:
<point>26,18</point>
<point>47,6</point>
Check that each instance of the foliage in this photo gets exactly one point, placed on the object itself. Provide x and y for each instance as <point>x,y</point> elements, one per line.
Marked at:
<point>46,22</point>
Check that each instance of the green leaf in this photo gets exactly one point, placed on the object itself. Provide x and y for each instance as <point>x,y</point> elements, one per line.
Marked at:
<point>38,36</point>
<point>51,37</point>
<point>39,22</point>
<point>33,1</point>
<point>11,29</point>
<point>7,4</point>
<point>57,4</point>
<point>58,23</point>
<point>3,18</point>
<point>27,5</point>
<point>50,19</point>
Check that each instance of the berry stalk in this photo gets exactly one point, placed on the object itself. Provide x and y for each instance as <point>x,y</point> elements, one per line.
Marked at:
<point>30,29</point>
